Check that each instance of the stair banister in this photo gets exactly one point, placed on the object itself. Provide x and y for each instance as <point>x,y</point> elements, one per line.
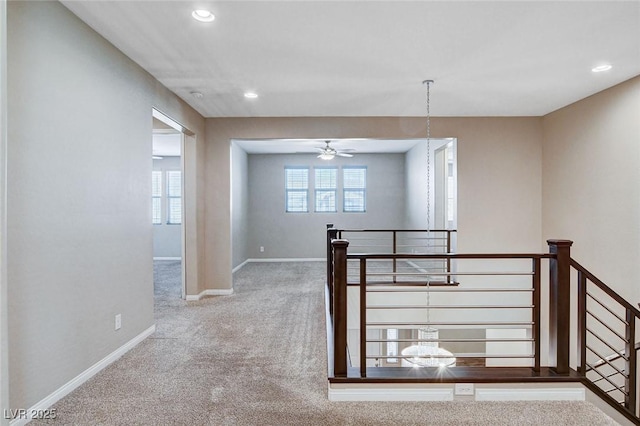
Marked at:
<point>340,307</point>
<point>559,303</point>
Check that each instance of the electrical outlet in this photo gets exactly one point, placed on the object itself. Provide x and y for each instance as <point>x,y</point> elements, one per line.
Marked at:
<point>464,389</point>
<point>261,249</point>
<point>118,321</point>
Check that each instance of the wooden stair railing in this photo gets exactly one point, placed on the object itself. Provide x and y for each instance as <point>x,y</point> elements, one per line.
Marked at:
<point>605,322</point>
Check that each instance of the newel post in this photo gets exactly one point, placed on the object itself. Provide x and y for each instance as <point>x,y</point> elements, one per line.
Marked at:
<point>340,307</point>
<point>559,303</point>
<point>332,233</point>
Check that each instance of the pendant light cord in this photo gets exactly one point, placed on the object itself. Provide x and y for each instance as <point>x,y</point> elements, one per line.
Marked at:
<point>428,84</point>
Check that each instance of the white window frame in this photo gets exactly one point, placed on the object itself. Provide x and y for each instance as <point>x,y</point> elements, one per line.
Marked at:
<point>173,198</point>
<point>355,190</point>
<point>321,187</point>
<point>303,189</point>
<point>156,197</point>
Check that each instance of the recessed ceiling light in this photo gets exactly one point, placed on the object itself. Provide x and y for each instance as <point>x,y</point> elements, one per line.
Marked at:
<point>250,95</point>
<point>203,15</point>
<point>601,68</point>
<point>197,95</point>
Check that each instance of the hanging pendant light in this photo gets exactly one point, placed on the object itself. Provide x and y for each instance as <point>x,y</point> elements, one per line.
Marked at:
<point>428,353</point>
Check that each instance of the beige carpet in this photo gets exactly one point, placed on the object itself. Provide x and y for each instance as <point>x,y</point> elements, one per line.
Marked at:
<point>258,357</point>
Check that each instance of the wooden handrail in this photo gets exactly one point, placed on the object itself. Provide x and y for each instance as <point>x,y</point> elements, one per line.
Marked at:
<point>559,305</point>
<point>629,353</point>
<point>427,256</point>
<point>398,230</point>
<point>602,286</point>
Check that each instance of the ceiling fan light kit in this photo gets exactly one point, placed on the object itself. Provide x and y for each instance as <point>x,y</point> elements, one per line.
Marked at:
<point>327,152</point>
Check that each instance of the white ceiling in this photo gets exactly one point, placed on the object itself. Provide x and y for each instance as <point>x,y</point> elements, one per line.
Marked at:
<point>369,58</point>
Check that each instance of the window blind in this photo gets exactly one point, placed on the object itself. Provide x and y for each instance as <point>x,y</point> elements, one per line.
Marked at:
<point>296,189</point>
<point>174,197</point>
<point>354,185</point>
<point>325,189</point>
<point>156,197</point>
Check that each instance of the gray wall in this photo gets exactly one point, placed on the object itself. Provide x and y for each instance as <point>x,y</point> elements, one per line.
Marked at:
<point>302,235</point>
<point>239,204</point>
<point>78,196</point>
<point>4,331</point>
<point>416,184</point>
<point>167,239</point>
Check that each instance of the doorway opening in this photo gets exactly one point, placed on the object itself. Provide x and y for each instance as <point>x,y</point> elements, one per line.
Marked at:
<point>445,184</point>
<point>168,208</point>
<point>391,193</point>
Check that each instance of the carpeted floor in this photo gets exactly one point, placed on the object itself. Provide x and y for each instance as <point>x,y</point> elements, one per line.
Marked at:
<point>258,357</point>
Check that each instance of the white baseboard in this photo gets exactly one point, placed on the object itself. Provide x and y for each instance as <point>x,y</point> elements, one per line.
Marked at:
<point>167,258</point>
<point>277,259</point>
<point>390,394</point>
<point>373,392</point>
<point>83,377</point>
<point>288,259</point>
<point>240,266</point>
<point>537,394</point>
<point>210,292</point>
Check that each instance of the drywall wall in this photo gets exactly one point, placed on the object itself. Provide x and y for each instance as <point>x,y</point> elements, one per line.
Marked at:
<point>79,236</point>
<point>167,238</point>
<point>499,175</point>
<point>303,235</point>
<point>416,184</point>
<point>240,204</point>
<point>591,170</point>
<point>4,330</point>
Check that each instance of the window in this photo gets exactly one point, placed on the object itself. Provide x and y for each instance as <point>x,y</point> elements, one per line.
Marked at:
<point>174,197</point>
<point>325,191</point>
<point>296,189</point>
<point>156,197</point>
<point>354,189</point>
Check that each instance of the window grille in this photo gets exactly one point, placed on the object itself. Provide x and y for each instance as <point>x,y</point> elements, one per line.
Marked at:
<point>174,197</point>
<point>354,189</point>
<point>156,197</point>
<point>325,189</point>
<point>296,189</point>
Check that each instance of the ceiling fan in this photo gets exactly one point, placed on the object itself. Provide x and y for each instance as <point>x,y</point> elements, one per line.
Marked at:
<point>328,153</point>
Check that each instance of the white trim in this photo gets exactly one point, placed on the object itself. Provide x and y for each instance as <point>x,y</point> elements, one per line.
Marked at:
<point>275,260</point>
<point>84,376</point>
<point>210,292</point>
<point>537,394</point>
<point>390,394</point>
<point>289,259</point>
<point>167,258</point>
<point>240,266</point>
<point>156,113</point>
<point>283,259</point>
<point>440,392</point>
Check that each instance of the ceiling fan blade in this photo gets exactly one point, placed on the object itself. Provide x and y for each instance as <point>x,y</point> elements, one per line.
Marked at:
<point>346,150</point>
<point>342,154</point>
